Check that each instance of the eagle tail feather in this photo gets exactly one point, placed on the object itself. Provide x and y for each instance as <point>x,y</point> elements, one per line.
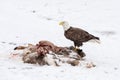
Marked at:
<point>95,39</point>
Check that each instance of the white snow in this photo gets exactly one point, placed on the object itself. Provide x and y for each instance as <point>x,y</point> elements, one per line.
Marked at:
<point>29,21</point>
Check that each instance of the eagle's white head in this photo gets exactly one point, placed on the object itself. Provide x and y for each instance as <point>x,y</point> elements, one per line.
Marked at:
<point>65,25</point>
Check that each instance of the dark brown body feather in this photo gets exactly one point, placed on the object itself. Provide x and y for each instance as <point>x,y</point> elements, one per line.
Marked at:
<point>78,36</point>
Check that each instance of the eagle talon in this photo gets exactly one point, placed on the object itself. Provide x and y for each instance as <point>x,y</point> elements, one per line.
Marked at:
<point>76,49</point>
<point>79,52</point>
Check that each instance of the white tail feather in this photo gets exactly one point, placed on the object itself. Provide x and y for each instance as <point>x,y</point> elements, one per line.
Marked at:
<point>95,41</point>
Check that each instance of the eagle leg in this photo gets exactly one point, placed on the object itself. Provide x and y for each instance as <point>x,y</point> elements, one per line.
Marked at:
<point>75,47</point>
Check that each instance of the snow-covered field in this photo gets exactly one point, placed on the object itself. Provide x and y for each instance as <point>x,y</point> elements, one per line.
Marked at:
<point>29,21</point>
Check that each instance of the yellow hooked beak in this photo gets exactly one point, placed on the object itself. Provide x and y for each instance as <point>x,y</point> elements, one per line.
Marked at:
<point>61,23</point>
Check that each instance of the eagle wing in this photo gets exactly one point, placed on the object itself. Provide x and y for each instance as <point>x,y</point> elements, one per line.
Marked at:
<point>77,34</point>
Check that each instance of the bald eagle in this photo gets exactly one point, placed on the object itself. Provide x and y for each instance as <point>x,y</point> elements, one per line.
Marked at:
<point>77,35</point>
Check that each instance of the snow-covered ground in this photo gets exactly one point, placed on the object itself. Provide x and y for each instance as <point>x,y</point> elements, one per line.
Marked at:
<point>29,21</point>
